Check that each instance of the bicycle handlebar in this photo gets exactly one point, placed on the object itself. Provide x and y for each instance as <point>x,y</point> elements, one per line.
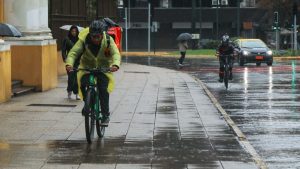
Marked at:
<point>93,70</point>
<point>227,55</point>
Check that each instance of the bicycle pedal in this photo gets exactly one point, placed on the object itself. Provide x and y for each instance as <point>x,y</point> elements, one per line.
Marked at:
<point>104,124</point>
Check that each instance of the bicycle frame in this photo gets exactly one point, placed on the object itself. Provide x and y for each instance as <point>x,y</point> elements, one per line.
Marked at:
<point>96,106</point>
<point>92,103</point>
<point>226,70</point>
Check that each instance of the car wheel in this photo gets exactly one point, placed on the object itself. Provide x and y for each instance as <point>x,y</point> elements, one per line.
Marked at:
<point>269,63</point>
<point>258,64</point>
<point>241,61</point>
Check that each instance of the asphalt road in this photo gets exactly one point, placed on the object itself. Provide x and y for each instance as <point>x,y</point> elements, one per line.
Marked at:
<point>263,101</point>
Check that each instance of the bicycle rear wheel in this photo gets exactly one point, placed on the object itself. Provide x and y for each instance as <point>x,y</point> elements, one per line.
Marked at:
<point>100,129</point>
<point>89,116</point>
<point>226,76</point>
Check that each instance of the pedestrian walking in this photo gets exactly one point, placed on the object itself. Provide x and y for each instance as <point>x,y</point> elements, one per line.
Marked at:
<point>67,45</point>
<point>183,46</point>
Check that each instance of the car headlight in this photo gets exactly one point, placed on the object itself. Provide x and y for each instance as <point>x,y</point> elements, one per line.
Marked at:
<point>269,52</point>
<point>246,52</point>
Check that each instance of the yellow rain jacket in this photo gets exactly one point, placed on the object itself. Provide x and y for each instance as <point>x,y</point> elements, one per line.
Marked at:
<point>88,60</point>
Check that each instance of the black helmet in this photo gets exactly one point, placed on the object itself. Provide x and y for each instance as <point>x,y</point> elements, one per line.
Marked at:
<point>97,27</point>
<point>225,39</point>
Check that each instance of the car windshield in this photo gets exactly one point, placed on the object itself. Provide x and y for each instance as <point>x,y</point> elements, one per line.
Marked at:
<point>253,44</point>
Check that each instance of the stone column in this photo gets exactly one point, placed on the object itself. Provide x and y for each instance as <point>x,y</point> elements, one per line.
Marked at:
<point>29,16</point>
<point>1,11</point>
<point>34,55</point>
<point>5,72</point>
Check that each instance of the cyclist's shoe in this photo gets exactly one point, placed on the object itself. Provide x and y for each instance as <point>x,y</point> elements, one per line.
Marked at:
<point>69,95</point>
<point>220,80</point>
<point>230,76</point>
<point>179,64</point>
<point>77,97</point>
<point>82,112</point>
<point>105,121</point>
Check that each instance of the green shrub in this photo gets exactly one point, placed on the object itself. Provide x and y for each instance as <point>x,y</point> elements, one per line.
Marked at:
<point>211,44</point>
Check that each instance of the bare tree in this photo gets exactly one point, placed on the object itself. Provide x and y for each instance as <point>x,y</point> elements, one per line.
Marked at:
<point>284,8</point>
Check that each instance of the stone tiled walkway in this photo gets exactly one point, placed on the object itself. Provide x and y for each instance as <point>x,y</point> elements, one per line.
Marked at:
<point>161,119</point>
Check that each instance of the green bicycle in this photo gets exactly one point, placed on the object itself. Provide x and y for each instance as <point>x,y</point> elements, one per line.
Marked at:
<point>91,108</point>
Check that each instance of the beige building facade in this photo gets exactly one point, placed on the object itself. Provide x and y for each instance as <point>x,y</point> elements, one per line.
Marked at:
<point>32,57</point>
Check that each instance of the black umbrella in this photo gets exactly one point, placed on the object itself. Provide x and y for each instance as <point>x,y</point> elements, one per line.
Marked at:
<point>184,37</point>
<point>9,30</point>
<point>110,23</point>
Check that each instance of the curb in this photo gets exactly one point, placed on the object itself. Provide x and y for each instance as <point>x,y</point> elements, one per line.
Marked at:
<point>165,54</point>
<point>241,137</point>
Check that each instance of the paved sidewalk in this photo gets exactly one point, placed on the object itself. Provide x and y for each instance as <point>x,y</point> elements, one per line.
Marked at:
<point>161,119</point>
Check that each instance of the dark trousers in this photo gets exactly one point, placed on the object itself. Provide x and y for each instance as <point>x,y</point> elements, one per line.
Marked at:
<point>102,84</point>
<point>181,59</point>
<point>72,82</point>
<point>222,63</point>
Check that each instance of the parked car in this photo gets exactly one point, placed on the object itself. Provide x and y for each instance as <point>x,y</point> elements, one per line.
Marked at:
<point>253,51</point>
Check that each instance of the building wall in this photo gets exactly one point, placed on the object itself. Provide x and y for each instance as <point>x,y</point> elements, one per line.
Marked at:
<point>5,73</point>
<point>1,11</point>
<point>78,12</point>
<point>186,3</point>
<point>39,69</point>
<point>174,21</point>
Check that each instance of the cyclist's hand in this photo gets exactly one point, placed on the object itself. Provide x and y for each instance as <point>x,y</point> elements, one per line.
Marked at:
<point>69,68</point>
<point>114,68</point>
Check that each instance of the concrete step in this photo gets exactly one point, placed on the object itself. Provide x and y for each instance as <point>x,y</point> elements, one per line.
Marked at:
<point>16,83</point>
<point>22,90</point>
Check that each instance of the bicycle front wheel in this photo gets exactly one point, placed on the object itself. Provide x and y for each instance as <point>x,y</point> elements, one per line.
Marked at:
<point>226,76</point>
<point>89,116</point>
<point>100,129</point>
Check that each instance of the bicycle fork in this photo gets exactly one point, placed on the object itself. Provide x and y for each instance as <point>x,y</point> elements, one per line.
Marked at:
<point>96,106</point>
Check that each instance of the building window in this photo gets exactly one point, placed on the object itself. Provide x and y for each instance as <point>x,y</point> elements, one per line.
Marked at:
<point>219,2</point>
<point>181,25</point>
<point>139,3</point>
<point>224,2</point>
<point>250,3</point>
<point>214,2</point>
<point>181,3</point>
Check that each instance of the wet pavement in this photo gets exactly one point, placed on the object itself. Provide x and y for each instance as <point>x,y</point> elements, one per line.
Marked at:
<point>161,119</point>
<point>263,101</point>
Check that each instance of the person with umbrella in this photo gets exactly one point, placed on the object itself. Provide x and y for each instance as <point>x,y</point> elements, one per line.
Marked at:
<point>183,46</point>
<point>67,45</point>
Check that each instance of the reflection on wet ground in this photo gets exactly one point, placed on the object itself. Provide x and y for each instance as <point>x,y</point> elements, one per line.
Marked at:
<point>165,151</point>
<point>263,101</point>
<point>160,120</point>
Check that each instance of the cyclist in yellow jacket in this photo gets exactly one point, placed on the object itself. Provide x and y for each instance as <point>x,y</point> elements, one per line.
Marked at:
<point>98,51</point>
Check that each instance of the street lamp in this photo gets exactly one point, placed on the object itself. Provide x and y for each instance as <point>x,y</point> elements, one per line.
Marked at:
<point>295,11</point>
<point>216,3</point>
<point>217,20</point>
<point>238,18</point>
<point>200,19</point>
<point>193,21</point>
